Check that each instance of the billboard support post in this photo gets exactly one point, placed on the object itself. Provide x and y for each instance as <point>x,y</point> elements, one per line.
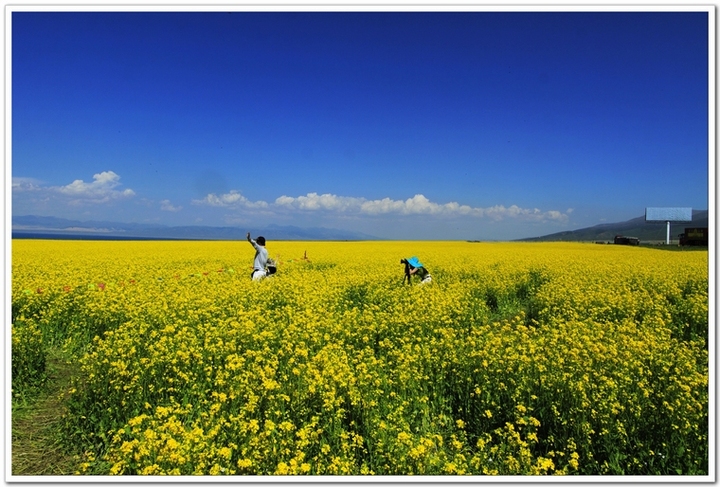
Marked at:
<point>668,215</point>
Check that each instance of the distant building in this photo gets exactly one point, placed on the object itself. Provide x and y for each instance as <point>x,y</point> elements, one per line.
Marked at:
<point>622,240</point>
<point>694,236</point>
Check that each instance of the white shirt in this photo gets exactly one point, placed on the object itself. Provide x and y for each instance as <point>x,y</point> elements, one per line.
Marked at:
<point>261,256</point>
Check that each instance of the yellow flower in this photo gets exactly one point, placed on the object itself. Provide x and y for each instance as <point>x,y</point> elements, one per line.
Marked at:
<point>331,367</point>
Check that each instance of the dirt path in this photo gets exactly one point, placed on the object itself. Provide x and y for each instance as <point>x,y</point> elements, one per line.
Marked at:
<point>36,442</point>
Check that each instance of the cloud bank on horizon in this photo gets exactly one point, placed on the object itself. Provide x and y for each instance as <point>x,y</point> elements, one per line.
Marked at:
<point>417,205</point>
<point>104,189</point>
<point>100,190</point>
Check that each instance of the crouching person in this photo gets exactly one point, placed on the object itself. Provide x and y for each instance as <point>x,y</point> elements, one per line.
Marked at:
<point>416,268</point>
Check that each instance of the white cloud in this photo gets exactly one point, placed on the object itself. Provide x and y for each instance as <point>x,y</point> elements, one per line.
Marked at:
<point>500,212</point>
<point>417,205</point>
<point>101,190</point>
<point>385,205</point>
<point>313,201</point>
<point>554,215</point>
<point>25,184</point>
<point>233,199</point>
<point>165,205</point>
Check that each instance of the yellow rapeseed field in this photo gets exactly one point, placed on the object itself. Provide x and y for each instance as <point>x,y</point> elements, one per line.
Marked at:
<point>518,359</point>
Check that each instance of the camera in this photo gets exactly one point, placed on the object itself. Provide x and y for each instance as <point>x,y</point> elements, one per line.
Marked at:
<point>403,261</point>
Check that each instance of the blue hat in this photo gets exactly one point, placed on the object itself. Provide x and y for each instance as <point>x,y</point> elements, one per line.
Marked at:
<point>413,261</point>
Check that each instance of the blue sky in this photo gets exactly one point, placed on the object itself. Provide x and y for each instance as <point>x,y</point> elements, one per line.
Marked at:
<point>402,125</point>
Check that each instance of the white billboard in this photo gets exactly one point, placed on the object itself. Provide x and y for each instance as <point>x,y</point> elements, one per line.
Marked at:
<point>668,214</point>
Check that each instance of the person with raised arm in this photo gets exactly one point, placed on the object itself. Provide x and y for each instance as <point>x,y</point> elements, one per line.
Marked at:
<point>261,258</point>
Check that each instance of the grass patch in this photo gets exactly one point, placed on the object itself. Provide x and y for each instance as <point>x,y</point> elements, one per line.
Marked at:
<point>37,442</point>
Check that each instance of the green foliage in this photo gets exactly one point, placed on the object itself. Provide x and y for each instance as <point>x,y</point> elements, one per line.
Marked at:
<point>28,357</point>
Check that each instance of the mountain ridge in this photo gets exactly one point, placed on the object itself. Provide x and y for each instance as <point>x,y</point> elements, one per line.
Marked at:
<point>29,225</point>
<point>635,227</point>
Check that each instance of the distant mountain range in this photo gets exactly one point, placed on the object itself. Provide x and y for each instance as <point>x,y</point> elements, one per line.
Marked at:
<point>637,227</point>
<point>31,226</point>
<point>50,227</point>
